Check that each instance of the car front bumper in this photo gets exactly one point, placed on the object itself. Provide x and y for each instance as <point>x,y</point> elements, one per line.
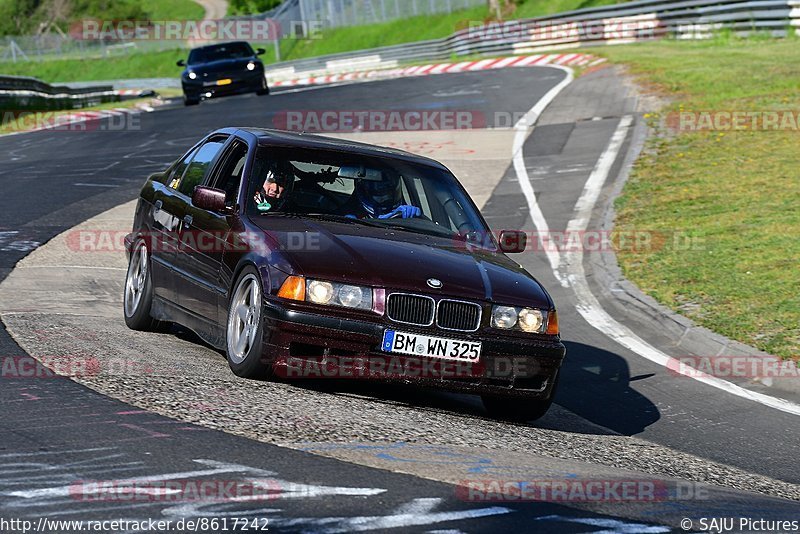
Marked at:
<point>245,83</point>
<point>301,345</point>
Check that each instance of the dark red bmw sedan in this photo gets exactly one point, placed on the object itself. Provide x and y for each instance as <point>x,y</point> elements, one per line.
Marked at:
<point>309,257</point>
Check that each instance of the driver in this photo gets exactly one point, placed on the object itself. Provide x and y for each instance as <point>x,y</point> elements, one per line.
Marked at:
<point>380,200</point>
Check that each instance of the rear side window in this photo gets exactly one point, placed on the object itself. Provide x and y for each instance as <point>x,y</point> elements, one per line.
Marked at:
<point>199,166</point>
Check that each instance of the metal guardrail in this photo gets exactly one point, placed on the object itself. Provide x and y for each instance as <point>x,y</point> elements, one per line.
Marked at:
<point>343,13</point>
<point>30,94</point>
<point>627,22</point>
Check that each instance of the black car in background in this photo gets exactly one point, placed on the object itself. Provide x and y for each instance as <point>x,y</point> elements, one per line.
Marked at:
<point>222,69</point>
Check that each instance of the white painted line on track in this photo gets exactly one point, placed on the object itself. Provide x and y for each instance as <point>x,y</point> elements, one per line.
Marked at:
<point>521,131</point>
<point>594,314</point>
<point>573,274</point>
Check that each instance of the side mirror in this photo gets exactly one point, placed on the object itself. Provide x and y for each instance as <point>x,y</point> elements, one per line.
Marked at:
<point>260,51</point>
<point>513,241</point>
<point>181,63</point>
<point>208,198</point>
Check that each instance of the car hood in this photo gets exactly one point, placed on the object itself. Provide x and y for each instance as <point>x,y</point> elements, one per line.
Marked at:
<point>396,259</point>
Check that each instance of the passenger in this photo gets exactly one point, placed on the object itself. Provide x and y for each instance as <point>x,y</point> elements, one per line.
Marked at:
<point>379,200</point>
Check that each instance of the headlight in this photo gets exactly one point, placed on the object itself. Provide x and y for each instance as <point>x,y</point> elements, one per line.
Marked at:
<point>531,320</point>
<point>335,294</point>
<point>528,320</point>
<point>192,75</point>
<point>504,317</point>
<point>251,66</point>
<point>350,296</point>
<point>319,292</point>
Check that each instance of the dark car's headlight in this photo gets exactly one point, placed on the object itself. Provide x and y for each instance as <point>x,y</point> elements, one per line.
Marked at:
<point>529,320</point>
<point>251,65</point>
<point>336,294</point>
<point>192,75</point>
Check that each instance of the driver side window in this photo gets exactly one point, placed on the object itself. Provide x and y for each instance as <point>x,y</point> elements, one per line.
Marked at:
<point>175,176</point>
<point>200,165</point>
<point>229,177</point>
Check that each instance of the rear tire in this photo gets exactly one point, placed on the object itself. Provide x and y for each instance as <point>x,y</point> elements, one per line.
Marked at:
<point>138,293</point>
<point>518,409</point>
<point>245,329</point>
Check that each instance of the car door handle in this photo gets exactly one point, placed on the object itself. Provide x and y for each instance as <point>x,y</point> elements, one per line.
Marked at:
<point>158,205</point>
<point>187,219</point>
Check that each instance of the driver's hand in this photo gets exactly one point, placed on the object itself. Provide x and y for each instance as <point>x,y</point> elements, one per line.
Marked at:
<point>328,176</point>
<point>404,211</point>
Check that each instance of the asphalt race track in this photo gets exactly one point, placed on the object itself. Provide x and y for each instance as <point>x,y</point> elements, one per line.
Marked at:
<point>352,456</point>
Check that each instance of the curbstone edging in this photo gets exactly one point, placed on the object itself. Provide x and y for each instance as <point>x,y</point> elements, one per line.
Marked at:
<point>439,68</point>
<point>691,338</point>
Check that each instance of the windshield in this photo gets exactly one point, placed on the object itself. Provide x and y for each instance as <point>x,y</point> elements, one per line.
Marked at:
<point>219,52</point>
<point>363,190</point>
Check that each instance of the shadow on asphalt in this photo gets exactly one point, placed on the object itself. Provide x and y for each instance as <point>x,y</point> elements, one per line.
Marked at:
<point>595,385</point>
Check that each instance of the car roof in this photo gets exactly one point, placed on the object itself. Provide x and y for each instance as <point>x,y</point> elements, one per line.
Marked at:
<point>280,138</point>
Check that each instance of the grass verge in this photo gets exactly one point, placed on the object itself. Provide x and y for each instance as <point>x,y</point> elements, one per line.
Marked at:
<point>134,65</point>
<point>735,192</point>
<point>173,9</point>
<point>162,64</point>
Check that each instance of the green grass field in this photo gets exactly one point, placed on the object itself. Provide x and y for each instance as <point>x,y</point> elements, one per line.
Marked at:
<point>23,17</point>
<point>172,9</point>
<point>160,64</point>
<point>538,8</point>
<point>134,65</point>
<point>738,192</point>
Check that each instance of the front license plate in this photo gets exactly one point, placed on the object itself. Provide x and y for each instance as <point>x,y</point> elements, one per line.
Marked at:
<point>431,347</point>
<point>226,81</point>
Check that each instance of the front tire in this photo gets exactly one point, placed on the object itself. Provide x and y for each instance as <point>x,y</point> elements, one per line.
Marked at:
<point>138,293</point>
<point>190,101</point>
<point>264,89</point>
<point>244,332</point>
